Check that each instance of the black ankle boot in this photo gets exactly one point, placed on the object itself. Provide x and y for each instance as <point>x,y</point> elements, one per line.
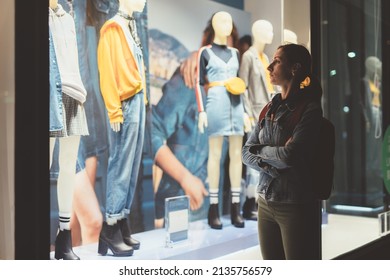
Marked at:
<point>236,218</point>
<point>126,234</point>
<point>213,217</point>
<point>63,245</point>
<point>249,209</point>
<point>111,237</point>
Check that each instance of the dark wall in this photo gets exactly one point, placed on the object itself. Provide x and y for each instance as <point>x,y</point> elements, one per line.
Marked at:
<point>239,4</point>
<point>31,134</point>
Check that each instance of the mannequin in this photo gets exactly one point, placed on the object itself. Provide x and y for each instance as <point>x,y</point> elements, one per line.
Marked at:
<point>371,101</point>
<point>289,37</point>
<point>124,94</point>
<point>67,88</point>
<point>218,62</point>
<point>259,90</point>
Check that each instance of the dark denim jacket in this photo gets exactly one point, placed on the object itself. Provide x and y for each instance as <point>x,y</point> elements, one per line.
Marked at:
<point>283,168</point>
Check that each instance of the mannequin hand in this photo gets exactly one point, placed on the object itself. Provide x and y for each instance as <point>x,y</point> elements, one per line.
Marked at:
<point>188,70</point>
<point>202,122</point>
<point>247,123</point>
<point>195,189</point>
<point>115,126</point>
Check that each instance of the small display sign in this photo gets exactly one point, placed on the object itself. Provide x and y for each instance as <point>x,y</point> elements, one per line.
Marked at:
<point>176,219</point>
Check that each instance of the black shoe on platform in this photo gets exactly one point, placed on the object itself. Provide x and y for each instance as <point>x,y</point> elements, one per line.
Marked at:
<point>236,218</point>
<point>213,217</point>
<point>111,237</point>
<point>63,250</point>
<point>249,209</point>
<point>126,234</point>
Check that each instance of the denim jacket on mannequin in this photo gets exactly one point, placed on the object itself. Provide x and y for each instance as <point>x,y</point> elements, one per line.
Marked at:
<point>55,111</point>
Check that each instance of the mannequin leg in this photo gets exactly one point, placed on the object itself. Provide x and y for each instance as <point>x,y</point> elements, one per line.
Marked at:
<point>213,172</point>
<point>52,143</point>
<point>235,173</point>
<point>66,180</point>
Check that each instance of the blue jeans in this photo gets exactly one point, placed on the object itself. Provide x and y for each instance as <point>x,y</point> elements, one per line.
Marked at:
<point>125,158</point>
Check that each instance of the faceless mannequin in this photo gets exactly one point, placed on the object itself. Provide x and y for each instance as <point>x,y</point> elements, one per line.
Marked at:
<point>373,68</point>
<point>289,37</point>
<point>222,25</point>
<point>372,99</point>
<point>262,32</point>
<point>253,71</point>
<point>122,83</point>
<point>64,58</point>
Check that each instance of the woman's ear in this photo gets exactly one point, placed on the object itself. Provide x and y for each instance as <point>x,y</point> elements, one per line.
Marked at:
<point>296,67</point>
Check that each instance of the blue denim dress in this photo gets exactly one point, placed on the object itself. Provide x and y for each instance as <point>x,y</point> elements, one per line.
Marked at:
<point>225,111</point>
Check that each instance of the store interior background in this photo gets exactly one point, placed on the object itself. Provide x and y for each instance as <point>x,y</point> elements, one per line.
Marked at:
<point>282,14</point>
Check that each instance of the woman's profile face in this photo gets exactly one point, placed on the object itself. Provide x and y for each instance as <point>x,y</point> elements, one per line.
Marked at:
<point>280,71</point>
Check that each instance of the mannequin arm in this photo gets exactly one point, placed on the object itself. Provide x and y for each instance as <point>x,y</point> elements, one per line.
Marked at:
<point>248,124</point>
<point>202,122</point>
<point>192,185</point>
<point>115,126</point>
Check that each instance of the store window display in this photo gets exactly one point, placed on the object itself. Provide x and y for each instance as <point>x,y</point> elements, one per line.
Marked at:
<point>179,148</point>
<point>222,115</point>
<point>253,70</point>
<point>67,117</point>
<point>122,83</point>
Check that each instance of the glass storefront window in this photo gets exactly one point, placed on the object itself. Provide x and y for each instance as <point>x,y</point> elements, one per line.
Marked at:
<point>351,70</point>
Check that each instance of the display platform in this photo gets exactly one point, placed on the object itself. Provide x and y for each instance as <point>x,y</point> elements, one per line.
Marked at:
<point>203,243</point>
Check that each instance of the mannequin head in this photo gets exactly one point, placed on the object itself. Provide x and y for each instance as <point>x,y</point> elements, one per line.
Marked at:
<point>373,68</point>
<point>222,23</point>
<point>209,34</point>
<point>289,37</point>
<point>130,6</point>
<point>53,4</point>
<point>262,32</point>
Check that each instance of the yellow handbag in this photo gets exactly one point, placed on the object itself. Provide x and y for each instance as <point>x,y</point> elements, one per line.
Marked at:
<point>234,85</point>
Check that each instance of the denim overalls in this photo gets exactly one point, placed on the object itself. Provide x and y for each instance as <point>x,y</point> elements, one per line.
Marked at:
<point>126,146</point>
